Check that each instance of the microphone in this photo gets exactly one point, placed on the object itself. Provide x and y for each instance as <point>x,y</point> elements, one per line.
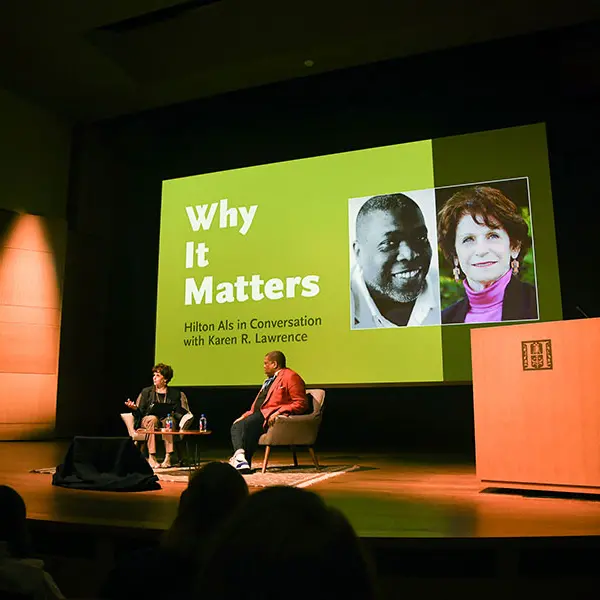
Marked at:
<point>582,312</point>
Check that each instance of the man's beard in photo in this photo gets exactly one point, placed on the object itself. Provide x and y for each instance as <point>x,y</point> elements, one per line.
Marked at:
<point>410,292</point>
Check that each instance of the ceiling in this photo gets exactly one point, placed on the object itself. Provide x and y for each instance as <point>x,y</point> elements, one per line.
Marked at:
<point>92,59</point>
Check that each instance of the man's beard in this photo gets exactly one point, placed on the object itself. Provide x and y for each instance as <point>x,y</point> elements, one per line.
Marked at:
<point>388,290</point>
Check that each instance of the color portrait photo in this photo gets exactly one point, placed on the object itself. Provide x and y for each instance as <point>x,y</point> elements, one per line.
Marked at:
<point>486,255</point>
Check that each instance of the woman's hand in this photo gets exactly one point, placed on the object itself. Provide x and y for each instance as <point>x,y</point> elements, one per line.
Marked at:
<point>130,404</point>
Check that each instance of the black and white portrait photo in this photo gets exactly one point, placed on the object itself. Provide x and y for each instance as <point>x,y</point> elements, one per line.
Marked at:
<point>394,278</point>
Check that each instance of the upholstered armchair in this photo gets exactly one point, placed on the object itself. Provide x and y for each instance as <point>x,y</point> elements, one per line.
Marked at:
<point>296,430</point>
<point>138,438</point>
<point>186,422</point>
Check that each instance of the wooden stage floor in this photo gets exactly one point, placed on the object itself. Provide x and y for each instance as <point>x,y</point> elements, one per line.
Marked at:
<point>390,497</point>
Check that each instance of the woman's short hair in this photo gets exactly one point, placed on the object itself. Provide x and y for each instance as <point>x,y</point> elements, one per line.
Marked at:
<point>165,370</point>
<point>486,205</point>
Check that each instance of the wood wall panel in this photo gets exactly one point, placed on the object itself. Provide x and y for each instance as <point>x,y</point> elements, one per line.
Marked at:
<point>30,314</point>
<point>27,431</point>
<point>28,278</point>
<point>28,235</point>
<point>28,348</point>
<point>27,398</point>
<point>31,267</point>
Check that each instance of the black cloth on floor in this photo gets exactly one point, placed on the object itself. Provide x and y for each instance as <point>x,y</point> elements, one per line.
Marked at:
<point>105,464</point>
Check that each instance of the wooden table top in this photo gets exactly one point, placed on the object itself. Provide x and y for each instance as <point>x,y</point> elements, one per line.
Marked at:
<point>172,432</point>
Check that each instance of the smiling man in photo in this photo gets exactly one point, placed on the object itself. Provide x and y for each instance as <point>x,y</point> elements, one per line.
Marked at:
<point>390,284</point>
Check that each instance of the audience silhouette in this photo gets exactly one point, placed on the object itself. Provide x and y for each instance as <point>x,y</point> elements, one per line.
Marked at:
<point>21,575</point>
<point>285,542</point>
<point>212,495</point>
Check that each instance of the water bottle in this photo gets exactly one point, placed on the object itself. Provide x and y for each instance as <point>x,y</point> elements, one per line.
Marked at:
<point>203,423</point>
<point>169,422</point>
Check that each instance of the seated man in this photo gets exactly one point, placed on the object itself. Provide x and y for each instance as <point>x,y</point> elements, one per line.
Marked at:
<point>282,393</point>
<point>152,406</point>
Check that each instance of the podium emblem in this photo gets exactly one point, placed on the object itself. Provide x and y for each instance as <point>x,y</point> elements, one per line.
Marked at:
<point>537,355</point>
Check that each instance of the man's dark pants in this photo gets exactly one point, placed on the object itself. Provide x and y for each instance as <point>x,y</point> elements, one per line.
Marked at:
<point>245,434</point>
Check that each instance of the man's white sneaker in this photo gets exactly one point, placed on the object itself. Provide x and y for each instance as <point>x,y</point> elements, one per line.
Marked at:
<point>240,464</point>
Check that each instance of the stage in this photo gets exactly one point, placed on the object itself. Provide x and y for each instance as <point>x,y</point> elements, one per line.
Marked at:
<point>420,516</point>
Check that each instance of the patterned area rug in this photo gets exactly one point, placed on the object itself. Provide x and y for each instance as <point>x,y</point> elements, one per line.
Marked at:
<point>293,476</point>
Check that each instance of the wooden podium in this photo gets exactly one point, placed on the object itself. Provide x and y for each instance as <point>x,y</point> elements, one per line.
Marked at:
<point>536,392</point>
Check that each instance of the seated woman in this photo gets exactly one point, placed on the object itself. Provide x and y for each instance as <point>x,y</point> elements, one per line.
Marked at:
<point>483,235</point>
<point>153,405</point>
